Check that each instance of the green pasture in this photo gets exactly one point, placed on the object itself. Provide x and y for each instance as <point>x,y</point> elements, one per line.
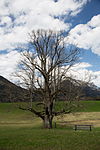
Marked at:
<point>21,130</point>
<point>90,106</point>
<point>28,138</point>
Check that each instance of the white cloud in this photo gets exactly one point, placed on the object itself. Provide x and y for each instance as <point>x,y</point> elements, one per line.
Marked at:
<point>12,39</point>
<point>95,21</point>
<point>5,20</point>
<point>18,17</point>
<point>8,63</point>
<point>33,14</point>
<point>87,36</point>
<point>81,71</point>
<point>97,80</point>
<point>45,6</point>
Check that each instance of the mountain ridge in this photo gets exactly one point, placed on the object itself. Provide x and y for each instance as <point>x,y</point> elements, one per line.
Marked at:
<point>10,92</point>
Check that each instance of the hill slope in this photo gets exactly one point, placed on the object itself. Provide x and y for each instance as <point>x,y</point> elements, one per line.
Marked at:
<point>10,92</point>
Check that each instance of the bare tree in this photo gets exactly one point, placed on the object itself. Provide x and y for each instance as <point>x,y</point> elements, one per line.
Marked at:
<point>43,68</point>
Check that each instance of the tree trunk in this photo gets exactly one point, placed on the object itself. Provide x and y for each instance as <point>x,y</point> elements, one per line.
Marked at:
<point>47,122</point>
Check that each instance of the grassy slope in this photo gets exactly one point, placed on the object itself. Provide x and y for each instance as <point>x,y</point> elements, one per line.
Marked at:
<point>85,106</point>
<point>91,106</point>
<point>21,130</point>
<point>9,112</point>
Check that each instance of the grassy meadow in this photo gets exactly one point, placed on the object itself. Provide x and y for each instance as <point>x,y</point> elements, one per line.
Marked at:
<point>21,130</point>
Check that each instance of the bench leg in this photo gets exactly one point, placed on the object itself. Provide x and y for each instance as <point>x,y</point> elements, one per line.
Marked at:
<point>90,128</point>
<point>75,127</point>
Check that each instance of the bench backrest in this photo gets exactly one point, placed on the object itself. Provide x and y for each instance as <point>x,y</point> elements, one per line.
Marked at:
<point>83,127</point>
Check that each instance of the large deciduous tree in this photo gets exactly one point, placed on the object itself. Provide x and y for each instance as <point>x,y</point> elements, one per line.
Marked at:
<point>43,69</point>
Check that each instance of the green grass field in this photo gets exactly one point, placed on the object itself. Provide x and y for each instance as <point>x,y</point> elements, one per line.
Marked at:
<point>28,138</point>
<point>21,130</point>
<point>91,106</point>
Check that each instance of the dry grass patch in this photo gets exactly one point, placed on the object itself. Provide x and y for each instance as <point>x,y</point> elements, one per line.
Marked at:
<point>92,118</point>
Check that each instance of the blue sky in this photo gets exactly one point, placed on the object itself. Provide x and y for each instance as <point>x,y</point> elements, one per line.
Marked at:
<point>91,9</point>
<point>80,17</point>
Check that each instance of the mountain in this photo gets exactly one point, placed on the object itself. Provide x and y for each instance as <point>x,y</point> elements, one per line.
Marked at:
<point>91,92</point>
<point>72,88</point>
<point>9,92</point>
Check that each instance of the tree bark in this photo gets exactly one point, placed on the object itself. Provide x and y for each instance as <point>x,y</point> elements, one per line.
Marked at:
<point>47,122</point>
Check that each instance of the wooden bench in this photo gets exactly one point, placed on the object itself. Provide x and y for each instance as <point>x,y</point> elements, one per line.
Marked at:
<point>83,127</point>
